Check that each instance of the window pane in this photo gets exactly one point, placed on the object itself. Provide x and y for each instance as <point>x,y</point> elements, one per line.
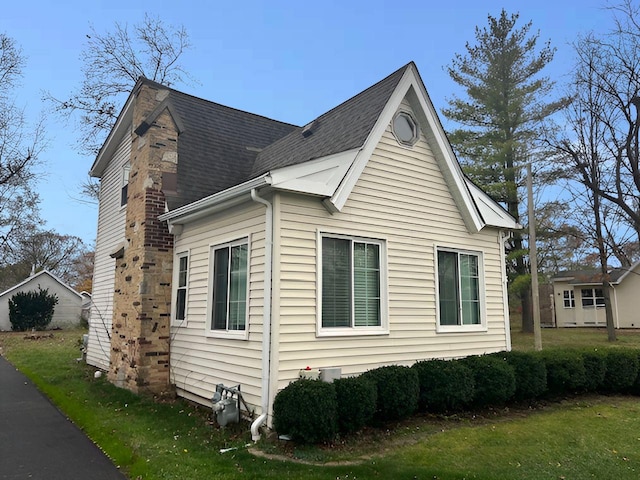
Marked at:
<point>180,303</point>
<point>220,289</point>
<point>238,288</point>
<point>366,284</point>
<point>336,282</point>
<point>448,288</point>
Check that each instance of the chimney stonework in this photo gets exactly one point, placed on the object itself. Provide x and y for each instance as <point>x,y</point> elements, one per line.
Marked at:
<point>142,298</point>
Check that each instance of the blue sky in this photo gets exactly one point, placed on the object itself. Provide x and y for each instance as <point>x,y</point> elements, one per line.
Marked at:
<point>288,60</point>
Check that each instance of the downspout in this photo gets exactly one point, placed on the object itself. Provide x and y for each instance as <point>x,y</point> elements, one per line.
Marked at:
<point>615,299</point>
<point>266,319</point>
<point>502,239</point>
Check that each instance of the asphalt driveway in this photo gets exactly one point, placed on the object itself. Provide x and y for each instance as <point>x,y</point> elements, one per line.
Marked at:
<point>38,442</point>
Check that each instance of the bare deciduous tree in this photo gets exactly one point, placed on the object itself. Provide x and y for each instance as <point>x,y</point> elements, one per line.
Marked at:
<point>20,145</point>
<point>112,63</point>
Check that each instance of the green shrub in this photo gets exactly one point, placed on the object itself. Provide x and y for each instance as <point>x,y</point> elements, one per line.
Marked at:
<point>635,388</point>
<point>356,405</point>
<point>445,385</point>
<point>565,371</point>
<point>530,372</point>
<point>495,380</point>
<point>306,410</point>
<point>622,370</point>
<point>32,309</point>
<point>595,367</point>
<point>397,390</point>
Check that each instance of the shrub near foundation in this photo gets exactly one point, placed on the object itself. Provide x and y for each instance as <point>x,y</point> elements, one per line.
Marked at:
<point>530,374</point>
<point>356,397</point>
<point>622,370</point>
<point>398,390</point>
<point>494,378</point>
<point>595,367</point>
<point>445,385</point>
<point>306,410</point>
<point>565,371</point>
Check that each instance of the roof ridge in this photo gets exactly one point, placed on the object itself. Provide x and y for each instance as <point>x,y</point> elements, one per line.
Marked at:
<point>210,102</point>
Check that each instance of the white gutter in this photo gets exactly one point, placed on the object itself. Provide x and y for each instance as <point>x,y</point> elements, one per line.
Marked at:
<point>266,319</point>
<point>502,239</point>
<point>200,207</point>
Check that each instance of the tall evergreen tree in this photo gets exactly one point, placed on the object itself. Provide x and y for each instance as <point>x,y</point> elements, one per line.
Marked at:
<point>501,116</point>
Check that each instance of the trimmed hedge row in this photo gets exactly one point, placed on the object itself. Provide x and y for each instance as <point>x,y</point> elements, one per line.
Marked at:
<point>311,411</point>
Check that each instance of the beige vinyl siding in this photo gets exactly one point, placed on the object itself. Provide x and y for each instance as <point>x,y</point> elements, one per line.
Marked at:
<point>111,223</point>
<point>625,300</point>
<point>401,198</point>
<point>199,361</point>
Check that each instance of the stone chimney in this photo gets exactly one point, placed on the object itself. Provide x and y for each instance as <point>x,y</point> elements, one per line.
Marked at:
<point>140,334</point>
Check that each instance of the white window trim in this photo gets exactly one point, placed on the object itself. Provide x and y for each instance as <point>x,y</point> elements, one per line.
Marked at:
<point>383,329</point>
<point>482,326</point>
<point>174,290</point>
<point>571,298</point>
<point>230,334</point>
<point>416,138</point>
<point>593,297</point>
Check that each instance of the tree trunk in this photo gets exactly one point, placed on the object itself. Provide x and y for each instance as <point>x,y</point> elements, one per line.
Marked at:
<point>604,268</point>
<point>527,312</point>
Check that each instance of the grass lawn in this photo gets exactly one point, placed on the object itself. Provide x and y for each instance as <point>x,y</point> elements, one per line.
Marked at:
<point>579,438</point>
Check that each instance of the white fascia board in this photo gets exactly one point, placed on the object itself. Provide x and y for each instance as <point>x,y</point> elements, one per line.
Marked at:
<point>213,203</point>
<point>626,273</point>
<point>316,177</point>
<point>492,213</point>
<point>431,127</point>
<point>122,126</point>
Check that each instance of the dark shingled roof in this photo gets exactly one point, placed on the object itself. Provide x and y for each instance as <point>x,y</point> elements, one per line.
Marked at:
<point>580,277</point>
<point>217,146</point>
<point>220,147</point>
<point>345,127</point>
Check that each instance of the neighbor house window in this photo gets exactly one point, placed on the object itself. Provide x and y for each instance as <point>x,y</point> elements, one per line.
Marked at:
<point>182,266</point>
<point>230,287</point>
<point>569,299</point>
<point>124,191</point>
<point>459,288</point>
<point>592,297</point>
<point>352,285</point>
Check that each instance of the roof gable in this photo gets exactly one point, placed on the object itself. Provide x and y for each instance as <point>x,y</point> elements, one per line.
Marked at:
<point>342,128</point>
<point>35,277</point>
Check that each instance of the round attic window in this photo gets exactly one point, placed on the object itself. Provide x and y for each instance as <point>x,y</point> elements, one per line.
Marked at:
<point>405,129</point>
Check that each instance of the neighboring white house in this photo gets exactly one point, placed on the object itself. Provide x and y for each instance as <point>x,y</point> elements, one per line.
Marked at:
<point>67,312</point>
<point>579,298</point>
<point>353,242</point>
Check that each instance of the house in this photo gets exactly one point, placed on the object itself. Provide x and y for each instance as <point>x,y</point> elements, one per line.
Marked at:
<point>237,249</point>
<point>579,298</point>
<point>67,312</point>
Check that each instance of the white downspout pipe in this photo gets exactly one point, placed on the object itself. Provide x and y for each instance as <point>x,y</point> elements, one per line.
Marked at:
<point>266,319</point>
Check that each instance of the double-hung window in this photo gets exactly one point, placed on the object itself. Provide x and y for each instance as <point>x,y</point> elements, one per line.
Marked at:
<point>353,286</point>
<point>124,189</point>
<point>230,280</point>
<point>460,295</point>
<point>180,281</point>
<point>569,299</point>
<point>592,297</point>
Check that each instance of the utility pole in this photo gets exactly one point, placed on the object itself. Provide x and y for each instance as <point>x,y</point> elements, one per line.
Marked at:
<point>533,259</point>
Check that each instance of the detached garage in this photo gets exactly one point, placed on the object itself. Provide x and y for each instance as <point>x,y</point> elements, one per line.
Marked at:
<point>67,312</point>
